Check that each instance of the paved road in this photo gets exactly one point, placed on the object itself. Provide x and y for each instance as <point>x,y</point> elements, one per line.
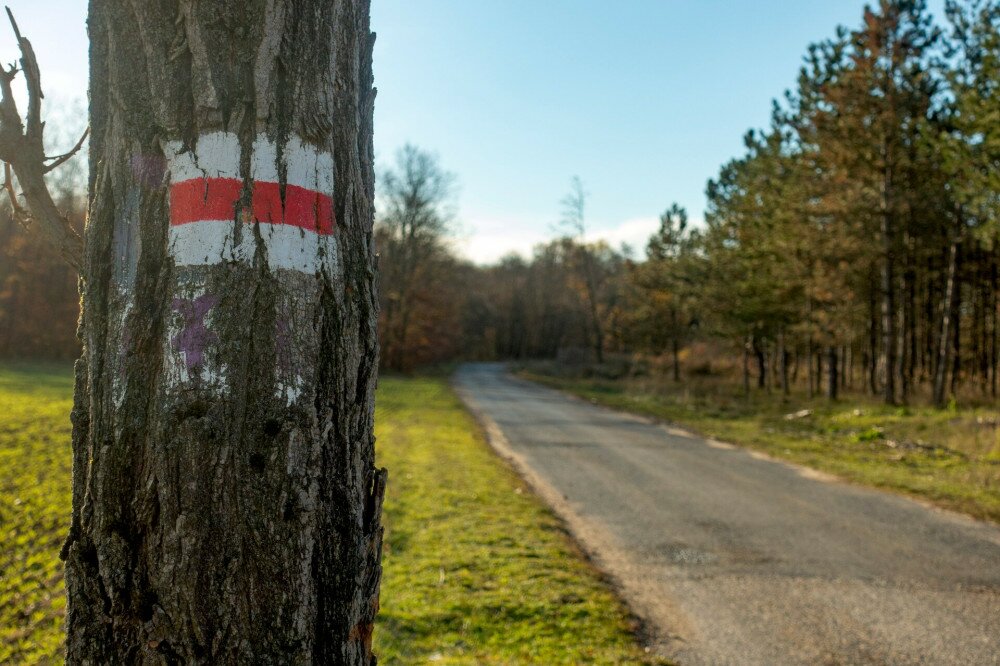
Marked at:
<point>732,558</point>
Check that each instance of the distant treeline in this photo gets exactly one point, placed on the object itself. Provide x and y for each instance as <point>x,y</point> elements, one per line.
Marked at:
<point>858,238</point>
<point>39,301</point>
<point>856,241</point>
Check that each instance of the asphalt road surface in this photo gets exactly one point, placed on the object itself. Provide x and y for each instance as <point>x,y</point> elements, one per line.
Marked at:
<point>732,558</point>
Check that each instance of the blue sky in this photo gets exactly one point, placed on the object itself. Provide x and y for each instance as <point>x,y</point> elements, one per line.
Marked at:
<point>643,99</point>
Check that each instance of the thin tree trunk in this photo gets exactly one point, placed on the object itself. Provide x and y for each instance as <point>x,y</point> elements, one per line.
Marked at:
<point>930,331</point>
<point>849,372</point>
<point>591,289</point>
<point>888,278</point>
<point>758,353</point>
<point>773,369</point>
<point>809,369</point>
<point>833,373</point>
<point>819,370</point>
<point>941,366</point>
<point>995,314</point>
<point>872,357</point>
<point>956,325</point>
<point>888,315</point>
<point>783,361</point>
<point>901,347</point>
<point>913,350</point>
<point>843,366</point>
<point>675,345</point>
<point>746,365</point>
<point>226,506</point>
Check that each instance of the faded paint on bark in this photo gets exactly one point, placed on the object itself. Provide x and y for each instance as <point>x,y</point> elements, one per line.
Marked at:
<point>226,507</point>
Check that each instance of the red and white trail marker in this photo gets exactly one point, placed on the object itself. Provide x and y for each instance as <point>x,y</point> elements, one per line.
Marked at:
<point>207,225</point>
<point>290,225</point>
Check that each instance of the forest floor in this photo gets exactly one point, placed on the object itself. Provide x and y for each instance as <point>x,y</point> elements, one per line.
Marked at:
<point>949,457</point>
<point>476,570</point>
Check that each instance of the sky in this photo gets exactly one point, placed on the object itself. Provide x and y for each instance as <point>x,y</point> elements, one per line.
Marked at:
<point>644,100</point>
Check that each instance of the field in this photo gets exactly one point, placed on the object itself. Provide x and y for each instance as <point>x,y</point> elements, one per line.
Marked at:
<point>476,570</point>
<point>950,457</point>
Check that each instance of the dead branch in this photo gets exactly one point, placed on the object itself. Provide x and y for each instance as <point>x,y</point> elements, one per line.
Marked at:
<point>62,159</point>
<point>22,148</point>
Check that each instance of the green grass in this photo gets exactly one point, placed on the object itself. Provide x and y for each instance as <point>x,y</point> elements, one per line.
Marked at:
<point>35,497</point>
<point>476,570</point>
<point>950,457</point>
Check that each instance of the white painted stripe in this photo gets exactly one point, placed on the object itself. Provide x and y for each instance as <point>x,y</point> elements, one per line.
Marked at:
<point>309,167</point>
<point>264,161</point>
<point>217,155</point>
<point>287,247</point>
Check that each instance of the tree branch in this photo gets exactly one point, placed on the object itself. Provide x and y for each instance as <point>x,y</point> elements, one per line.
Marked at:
<point>62,159</point>
<point>22,149</point>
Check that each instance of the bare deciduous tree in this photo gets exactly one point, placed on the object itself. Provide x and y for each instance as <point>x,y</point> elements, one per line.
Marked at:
<point>574,223</point>
<point>416,196</point>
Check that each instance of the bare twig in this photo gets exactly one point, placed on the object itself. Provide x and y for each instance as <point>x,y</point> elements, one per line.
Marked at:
<point>22,149</point>
<point>62,159</point>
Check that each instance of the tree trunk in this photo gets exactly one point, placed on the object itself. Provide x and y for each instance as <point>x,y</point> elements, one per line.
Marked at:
<point>675,345</point>
<point>888,315</point>
<point>848,373</point>
<point>809,369</point>
<point>995,316</point>
<point>819,370</point>
<point>956,325</point>
<point>758,352</point>
<point>833,373</point>
<point>590,286</point>
<point>783,362</point>
<point>941,367</point>
<point>902,357</point>
<point>888,278</point>
<point>677,359</point>
<point>871,359</point>
<point>746,365</point>
<point>226,506</point>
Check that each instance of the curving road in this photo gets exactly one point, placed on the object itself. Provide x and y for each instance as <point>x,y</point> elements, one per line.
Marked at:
<point>732,558</point>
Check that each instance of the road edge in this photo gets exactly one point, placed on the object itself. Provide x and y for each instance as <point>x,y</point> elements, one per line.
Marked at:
<point>596,544</point>
<point>679,429</point>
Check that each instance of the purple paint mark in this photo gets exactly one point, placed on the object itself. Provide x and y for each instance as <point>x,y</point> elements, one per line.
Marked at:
<point>194,336</point>
<point>149,170</point>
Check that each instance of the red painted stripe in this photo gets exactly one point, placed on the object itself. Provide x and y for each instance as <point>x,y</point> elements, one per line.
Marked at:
<point>205,199</point>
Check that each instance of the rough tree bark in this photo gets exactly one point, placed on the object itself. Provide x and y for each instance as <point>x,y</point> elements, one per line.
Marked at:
<point>226,507</point>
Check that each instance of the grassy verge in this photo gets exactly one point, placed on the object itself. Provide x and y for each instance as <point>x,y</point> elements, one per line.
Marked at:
<point>950,457</point>
<point>476,571</point>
